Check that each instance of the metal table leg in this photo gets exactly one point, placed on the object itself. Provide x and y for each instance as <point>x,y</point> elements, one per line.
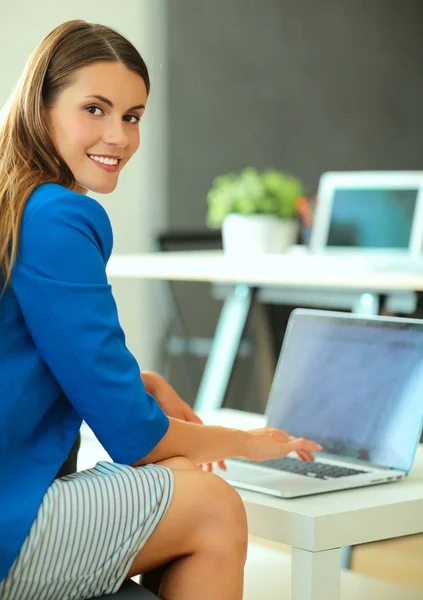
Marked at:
<point>346,557</point>
<point>367,304</point>
<point>189,362</point>
<point>224,349</point>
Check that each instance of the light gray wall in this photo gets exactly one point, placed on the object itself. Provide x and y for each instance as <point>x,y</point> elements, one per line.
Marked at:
<point>300,85</point>
<point>137,207</point>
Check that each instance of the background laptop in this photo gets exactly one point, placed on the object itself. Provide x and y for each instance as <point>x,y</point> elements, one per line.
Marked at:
<point>371,214</point>
<point>353,384</point>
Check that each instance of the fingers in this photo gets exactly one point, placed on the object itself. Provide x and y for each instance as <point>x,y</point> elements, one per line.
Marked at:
<point>193,418</point>
<point>208,467</point>
<point>269,442</point>
<point>305,456</point>
<point>302,445</point>
<point>304,453</point>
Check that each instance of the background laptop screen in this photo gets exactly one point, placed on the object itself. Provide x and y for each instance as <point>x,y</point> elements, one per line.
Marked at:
<point>372,218</point>
<point>356,389</point>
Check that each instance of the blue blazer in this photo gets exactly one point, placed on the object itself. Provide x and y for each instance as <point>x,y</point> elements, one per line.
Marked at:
<point>63,359</point>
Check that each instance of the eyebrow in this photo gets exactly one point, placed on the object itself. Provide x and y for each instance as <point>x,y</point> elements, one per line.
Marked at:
<point>110,103</point>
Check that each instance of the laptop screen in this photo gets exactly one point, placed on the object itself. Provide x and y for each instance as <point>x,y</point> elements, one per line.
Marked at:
<point>354,386</point>
<point>372,218</point>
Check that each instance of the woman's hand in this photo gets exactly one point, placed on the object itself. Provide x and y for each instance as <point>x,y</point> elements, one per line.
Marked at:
<point>173,405</point>
<point>268,443</point>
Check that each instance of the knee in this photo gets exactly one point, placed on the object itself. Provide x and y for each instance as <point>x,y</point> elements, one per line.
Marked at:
<point>224,513</point>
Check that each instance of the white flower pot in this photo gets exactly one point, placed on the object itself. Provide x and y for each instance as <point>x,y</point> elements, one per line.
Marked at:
<point>258,234</point>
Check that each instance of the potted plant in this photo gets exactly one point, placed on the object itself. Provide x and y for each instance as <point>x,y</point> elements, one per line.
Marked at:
<point>257,211</point>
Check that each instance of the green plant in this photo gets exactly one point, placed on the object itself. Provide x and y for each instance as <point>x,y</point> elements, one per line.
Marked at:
<point>271,192</point>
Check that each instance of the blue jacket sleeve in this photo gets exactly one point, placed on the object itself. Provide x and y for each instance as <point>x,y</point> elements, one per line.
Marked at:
<point>61,284</point>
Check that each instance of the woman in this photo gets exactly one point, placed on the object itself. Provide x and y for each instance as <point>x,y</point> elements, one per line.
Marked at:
<point>71,126</point>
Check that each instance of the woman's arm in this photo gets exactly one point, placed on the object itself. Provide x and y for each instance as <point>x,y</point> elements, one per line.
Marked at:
<point>151,382</point>
<point>206,444</point>
<point>168,399</point>
<point>200,443</point>
<point>224,442</point>
<point>61,284</point>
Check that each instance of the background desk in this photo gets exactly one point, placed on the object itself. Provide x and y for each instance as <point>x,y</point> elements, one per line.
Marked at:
<point>308,279</point>
<point>288,270</point>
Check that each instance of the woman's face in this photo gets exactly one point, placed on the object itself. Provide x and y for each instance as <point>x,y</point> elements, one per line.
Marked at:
<point>94,124</point>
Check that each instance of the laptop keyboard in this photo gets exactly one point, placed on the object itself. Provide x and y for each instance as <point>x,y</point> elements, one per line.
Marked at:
<point>309,469</point>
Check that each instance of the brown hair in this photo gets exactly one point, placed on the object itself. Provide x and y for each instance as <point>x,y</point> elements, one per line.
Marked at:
<point>27,154</point>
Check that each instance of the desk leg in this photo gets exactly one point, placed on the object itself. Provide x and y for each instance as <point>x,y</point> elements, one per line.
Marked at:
<point>346,557</point>
<point>224,349</point>
<point>367,304</point>
<point>316,575</point>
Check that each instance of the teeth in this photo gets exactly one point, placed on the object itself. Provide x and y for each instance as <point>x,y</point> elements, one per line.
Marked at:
<point>104,160</point>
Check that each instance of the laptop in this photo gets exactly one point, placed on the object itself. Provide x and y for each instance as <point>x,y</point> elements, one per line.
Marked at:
<point>352,383</point>
<point>371,215</point>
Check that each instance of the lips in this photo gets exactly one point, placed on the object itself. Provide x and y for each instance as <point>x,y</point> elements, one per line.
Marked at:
<point>109,168</point>
<point>107,159</point>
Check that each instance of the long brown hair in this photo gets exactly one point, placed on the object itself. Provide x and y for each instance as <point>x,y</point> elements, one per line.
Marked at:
<point>27,154</point>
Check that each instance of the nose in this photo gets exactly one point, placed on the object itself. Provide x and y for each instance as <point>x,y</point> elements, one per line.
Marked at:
<point>115,133</point>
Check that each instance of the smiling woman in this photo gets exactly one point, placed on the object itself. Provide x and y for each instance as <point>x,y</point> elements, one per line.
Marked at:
<point>83,90</point>
<point>94,123</point>
<point>71,126</point>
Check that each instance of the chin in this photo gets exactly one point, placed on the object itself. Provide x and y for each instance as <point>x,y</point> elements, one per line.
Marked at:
<point>100,187</point>
<point>104,188</point>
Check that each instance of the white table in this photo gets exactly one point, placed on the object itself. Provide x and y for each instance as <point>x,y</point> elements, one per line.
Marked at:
<point>288,270</point>
<point>346,282</point>
<point>317,527</point>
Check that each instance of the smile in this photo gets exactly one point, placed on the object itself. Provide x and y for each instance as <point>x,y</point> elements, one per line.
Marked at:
<point>104,159</point>
<point>105,162</point>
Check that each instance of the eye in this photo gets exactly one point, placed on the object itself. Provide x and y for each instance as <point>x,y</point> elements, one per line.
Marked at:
<point>129,117</point>
<point>91,109</point>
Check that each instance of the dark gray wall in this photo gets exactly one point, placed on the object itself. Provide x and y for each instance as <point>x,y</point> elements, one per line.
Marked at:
<point>301,85</point>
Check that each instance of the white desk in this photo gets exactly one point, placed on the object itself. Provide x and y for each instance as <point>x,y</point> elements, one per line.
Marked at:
<point>290,270</point>
<point>297,274</point>
<point>316,527</point>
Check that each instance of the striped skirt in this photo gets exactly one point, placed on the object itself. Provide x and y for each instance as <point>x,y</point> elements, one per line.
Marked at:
<point>88,530</point>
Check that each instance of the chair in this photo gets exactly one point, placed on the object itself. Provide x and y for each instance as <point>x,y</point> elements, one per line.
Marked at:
<point>130,591</point>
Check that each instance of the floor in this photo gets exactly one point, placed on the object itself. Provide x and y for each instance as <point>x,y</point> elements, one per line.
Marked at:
<point>267,576</point>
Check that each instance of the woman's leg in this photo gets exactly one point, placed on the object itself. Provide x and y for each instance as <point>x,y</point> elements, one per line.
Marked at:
<point>202,539</point>
<point>152,580</point>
